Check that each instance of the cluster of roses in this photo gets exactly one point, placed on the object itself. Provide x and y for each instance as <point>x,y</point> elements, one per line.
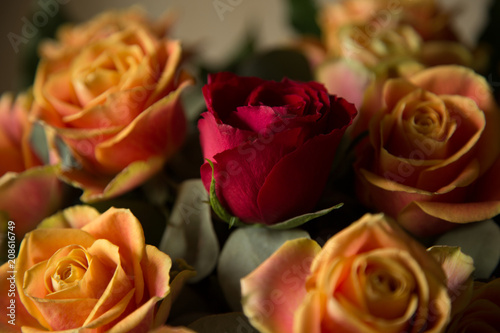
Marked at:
<point>427,148</point>
<point>106,91</point>
<point>427,145</point>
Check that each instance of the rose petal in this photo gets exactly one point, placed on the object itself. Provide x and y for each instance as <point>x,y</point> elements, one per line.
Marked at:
<point>284,273</point>
<point>241,172</point>
<point>129,178</point>
<point>157,131</point>
<point>309,314</point>
<point>122,229</point>
<point>226,91</point>
<point>72,217</point>
<point>458,268</point>
<point>279,198</point>
<point>345,78</point>
<point>10,295</point>
<point>40,187</point>
<point>216,137</point>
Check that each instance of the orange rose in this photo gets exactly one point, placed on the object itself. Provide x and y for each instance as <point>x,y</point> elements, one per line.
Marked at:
<point>102,26</point>
<point>482,314</point>
<point>370,17</point>
<point>101,277</point>
<point>370,277</point>
<point>433,152</point>
<point>115,104</point>
<point>24,181</point>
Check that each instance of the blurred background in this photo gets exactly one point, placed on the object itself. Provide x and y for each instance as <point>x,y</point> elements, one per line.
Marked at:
<point>218,28</point>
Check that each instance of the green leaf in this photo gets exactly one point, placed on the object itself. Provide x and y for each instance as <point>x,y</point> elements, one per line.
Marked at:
<point>301,219</point>
<point>303,17</point>
<point>189,233</point>
<point>221,212</point>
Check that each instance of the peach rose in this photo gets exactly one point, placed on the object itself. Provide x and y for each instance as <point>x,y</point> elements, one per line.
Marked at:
<point>29,191</point>
<point>370,277</point>
<point>98,276</point>
<point>115,104</point>
<point>433,153</point>
<point>482,314</point>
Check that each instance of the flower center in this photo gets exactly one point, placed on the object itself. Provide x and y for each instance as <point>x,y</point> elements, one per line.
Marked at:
<point>66,268</point>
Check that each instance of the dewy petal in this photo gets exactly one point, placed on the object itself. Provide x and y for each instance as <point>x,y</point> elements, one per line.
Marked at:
<point>40,187</point>
<point>273,291</point>
<point>72,217</point>
<point>157,131</point>
<point>122,229</point>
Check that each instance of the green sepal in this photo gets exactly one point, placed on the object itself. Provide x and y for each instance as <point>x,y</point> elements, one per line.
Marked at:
<point>301,219</point>
<point>221,212</point>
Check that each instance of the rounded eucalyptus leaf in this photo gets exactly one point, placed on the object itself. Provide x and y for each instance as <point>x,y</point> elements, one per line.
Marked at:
<point>189,234</point>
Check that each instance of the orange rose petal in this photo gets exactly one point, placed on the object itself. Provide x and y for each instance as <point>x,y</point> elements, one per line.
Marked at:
<point>167,80</point>
<point>130,177</point>
<point>9,293</point>
<point>40,187</point>
<point>107,317</point>
<point>119,109</point>
<point>175,288</point>
<point>140,319</point>
<point>73,217</point>
<point>455,80</point>
<point>156,266</point>
<point>122,229</point>
<point>309,314</point>
<point>455,212</point>
<point>395,90</point>
<point>169,329</point>
<point>157,131</point>
<point>60,94</point>
<point>64,314</point>
<point>273,291</point>
<point>34,281</point>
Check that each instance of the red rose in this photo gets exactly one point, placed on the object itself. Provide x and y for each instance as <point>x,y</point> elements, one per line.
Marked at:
<point>272,144</point>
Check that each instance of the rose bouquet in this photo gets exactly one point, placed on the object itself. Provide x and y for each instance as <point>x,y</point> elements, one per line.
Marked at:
<point>345,182</point>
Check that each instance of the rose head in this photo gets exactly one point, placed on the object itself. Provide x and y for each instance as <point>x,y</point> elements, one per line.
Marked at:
<point>115,103</point>
<point>272,144</point>
<point>23,178</point>
<point>88,272</point>
<point>433,152</point>
<point>370,277</point>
